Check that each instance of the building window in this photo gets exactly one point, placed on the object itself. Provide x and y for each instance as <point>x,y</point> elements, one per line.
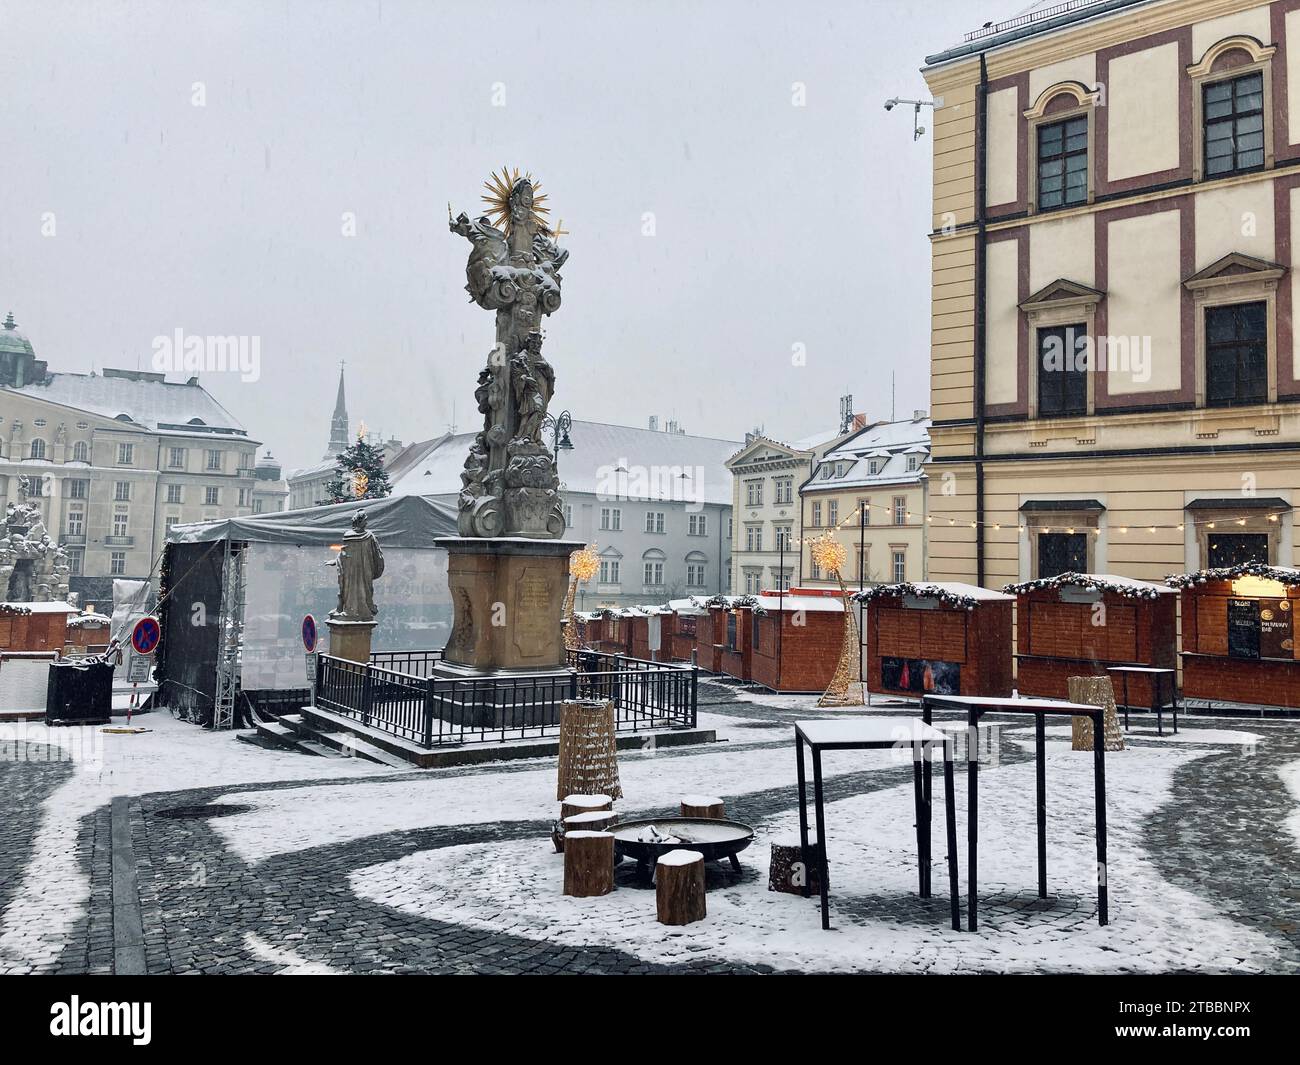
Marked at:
<point>76,557</point>
<point>80,451</point>
<point>832,512</point>
<point>1232,549</point>
<point>913,463</point>
<point>816,515</point>
<point>1233,112</point>
<point>697,525</point>
<point>900,510</point>
<point>1236,354</point>
<point>611,519</point>
<point>125,454</point>
<point>753,493</point>
<point>117,564</point>
<point>257,506</point>
<point>816,571</point>
<point>568,516</point>
<point>731,529</point>
<point>873,467</point>
<point>783,537</point>
<point>785,489</point>
<point>654,573</point>
<point>76,521</point>
<point>609,571</point>
<point>120,522</point>
<point>38,448</point>
<point>864,572</point>
<point>174,493</point>
<point>753,538</point>
<point>243,497</point>
<point>654,521</point>
<point>78,489</point>
<point>122,491</point>
<point>900,566</point>
<point>214,460</point>
<point>211,497</point>
<point>1063,163</point>
<point>168,522</point>
<point>753,581</point>
<point>1062,552</point>
<point>1062,371</point>
<point>176,458</point>
<point>864,511</point>
<point>695,574</point>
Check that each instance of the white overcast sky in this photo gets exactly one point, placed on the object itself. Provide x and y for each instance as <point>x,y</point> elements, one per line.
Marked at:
<point>775,225</point>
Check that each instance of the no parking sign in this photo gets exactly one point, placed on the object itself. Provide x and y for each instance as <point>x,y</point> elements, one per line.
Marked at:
<point>309,635</point>
<point>145,636</point>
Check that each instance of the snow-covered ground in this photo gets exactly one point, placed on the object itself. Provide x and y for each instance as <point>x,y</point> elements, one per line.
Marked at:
<point>515,887</point>
<point>1290,774</point>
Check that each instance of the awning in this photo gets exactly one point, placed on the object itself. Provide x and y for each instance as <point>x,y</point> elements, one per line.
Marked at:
<point>1239,503</point>
<point>1057,505</point>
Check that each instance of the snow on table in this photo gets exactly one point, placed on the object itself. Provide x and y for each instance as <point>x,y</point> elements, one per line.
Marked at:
<point>515,887</point>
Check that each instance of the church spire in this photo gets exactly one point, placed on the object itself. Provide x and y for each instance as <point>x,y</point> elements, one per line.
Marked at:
<point>339,422</point>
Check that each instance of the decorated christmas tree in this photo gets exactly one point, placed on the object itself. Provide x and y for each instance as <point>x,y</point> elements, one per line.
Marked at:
<point>358,474</point>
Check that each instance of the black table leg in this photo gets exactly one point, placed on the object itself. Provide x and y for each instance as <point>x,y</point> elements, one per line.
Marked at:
<point>922,825</point>
<point>1041,775</point>
<point>803,817</point>
<point>1099,786</point>
<point>950,810</point>
<point>818,801</point>
<point>1125,702</point>
<point>1174,698</point>
<point>927,808</point>
<point>972,823</point>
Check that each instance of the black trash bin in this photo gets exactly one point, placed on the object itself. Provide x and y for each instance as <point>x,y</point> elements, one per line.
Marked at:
<point>79,694</point>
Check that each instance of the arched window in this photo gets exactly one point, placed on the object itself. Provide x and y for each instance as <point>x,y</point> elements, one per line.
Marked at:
<point>38,448</point>
<point>1060,141</point>
<point>80,451</point>
<point>652,566</point>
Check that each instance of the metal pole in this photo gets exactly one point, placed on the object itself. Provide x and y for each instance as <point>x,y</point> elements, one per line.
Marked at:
<point>780,605</point>
<point>862,576</point>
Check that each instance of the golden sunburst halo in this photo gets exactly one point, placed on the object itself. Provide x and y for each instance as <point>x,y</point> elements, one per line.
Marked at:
<point>497,199</point>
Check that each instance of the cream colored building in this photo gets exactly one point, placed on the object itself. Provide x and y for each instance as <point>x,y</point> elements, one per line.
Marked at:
<point>1117,190</point>
<point>765,479</point>
<point>869,492</point>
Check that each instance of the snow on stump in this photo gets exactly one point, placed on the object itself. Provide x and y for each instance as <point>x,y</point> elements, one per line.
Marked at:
<point>591,821</point>
<point>787,872</point>
<point>581,804</point>
<point>1097,691</point>
<point>588,755</point>
<point>703,806</point>
<point>588,864</point>
<point>679,887</point>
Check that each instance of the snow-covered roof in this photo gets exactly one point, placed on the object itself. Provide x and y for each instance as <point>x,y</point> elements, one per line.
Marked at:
<point>39,608</point>
<point>608,460</point>
<point>887,443</point>
<point>770,601</point>
<point>1103,582</point>
<point>146,399</point>
<point>955,593</point>
<point>1282,574</point>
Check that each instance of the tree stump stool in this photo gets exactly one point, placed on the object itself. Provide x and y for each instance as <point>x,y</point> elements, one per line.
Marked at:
<point>787,871</point>
<point>588,864</point>
<point>588,754</point>
<point>581,804</point>
<point>584,821</point>
<point>679,887</point>
<point>703,806</point>
<point>1099,692</point>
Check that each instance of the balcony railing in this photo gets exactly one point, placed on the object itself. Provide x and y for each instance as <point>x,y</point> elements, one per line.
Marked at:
<point>119,541</point>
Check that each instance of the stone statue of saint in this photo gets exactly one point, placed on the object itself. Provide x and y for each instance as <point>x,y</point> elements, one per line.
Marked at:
<point>359,564</point>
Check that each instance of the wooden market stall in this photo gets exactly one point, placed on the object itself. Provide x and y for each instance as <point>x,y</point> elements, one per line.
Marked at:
<point>735,653</point>
<point>1239,634</point>
<point>650,630</point>
<point>681,643</point>
<point>34,626</point>
<point>796,639</point>
<point>711,630</point>
<point>938,638</point>
<point>1078,624</point>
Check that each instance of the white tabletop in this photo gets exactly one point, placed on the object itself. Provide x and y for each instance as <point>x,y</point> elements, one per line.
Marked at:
<point>1139,669</point>
<point>993,703</point>
<point>880,731</point>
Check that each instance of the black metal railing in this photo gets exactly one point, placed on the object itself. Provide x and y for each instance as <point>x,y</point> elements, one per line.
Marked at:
<point>434,711</point>
<point>413,663</point>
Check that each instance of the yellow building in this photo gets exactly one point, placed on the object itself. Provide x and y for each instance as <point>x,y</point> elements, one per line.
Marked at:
<point>1115,375</point>
<point>869,493</point>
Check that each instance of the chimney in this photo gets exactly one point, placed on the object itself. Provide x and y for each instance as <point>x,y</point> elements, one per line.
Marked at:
<point>859,421</point>
<point>920,415</point>
<point>654,423</point>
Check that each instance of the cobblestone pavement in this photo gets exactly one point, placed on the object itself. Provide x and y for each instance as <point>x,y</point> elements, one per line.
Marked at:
<point>206,909</point>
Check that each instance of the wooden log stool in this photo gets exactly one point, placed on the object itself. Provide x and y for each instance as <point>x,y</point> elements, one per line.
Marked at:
<point>588,752</point>
<point>588,864</point>
<point>787,871</point>
<point>1098,691</point>
<point>679,887</point>
<point>703,806</point>
<point>572,805</point>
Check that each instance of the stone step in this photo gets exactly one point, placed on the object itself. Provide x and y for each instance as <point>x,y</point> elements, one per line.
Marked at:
<point>318,748</point>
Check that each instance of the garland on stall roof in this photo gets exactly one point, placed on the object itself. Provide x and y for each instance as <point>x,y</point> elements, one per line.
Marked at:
<point>946,597</point>
<point>1228,573</point>
<point>1084,580</point>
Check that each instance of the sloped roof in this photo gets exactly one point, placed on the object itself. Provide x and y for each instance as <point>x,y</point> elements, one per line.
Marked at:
<point>892,441</point>
<point>612,460</point>
<point>148,400</point>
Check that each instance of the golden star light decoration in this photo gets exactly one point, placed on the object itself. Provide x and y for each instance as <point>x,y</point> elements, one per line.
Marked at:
<point>584,563</point>
<point>497,199</point>
<point>844,689</point>
<point>828,554</point>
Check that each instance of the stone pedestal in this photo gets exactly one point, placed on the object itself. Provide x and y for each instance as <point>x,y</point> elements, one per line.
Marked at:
<point>351,639</point>
<point>507,596</point>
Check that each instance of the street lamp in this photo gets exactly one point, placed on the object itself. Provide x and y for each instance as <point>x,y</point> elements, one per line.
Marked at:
<point>559,429</point>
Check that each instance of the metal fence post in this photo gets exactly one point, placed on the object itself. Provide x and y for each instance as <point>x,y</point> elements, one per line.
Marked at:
<point>367,695</point>
<point>319,681</point>
<point>428,712</point>
<point>695,680</point>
